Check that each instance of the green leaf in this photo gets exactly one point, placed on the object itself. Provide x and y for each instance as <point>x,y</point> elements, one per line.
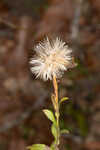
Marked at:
<point>37,147</point>
<point>53,145</point>
<point>54,131</point>
<point>64,131</point>
<point>49,115</point>
<point>63,99</point>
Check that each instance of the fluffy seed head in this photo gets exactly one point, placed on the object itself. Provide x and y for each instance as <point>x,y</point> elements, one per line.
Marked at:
<point>52,58</point>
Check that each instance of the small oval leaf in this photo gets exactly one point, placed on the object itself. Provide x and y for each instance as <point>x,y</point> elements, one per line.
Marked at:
<point>37,147</point>
<point>64,131</point>
<point>49,115</point>
<point>54,131</point>
<point>63,99</point>
<point>53,145</point>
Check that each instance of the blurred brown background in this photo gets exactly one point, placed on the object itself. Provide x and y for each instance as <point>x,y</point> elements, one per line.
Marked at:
<point>22,98</point>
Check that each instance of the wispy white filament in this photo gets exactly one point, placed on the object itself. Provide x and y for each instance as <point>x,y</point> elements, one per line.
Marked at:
<point>52,58</point>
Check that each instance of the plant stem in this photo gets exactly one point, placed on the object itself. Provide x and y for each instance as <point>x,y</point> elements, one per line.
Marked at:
<point>57,108</point>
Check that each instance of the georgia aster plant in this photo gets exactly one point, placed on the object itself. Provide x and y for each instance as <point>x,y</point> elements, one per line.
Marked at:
<point>51,60</point>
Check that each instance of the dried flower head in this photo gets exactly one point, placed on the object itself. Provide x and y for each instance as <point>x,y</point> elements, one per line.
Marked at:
<point>52,58</point>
